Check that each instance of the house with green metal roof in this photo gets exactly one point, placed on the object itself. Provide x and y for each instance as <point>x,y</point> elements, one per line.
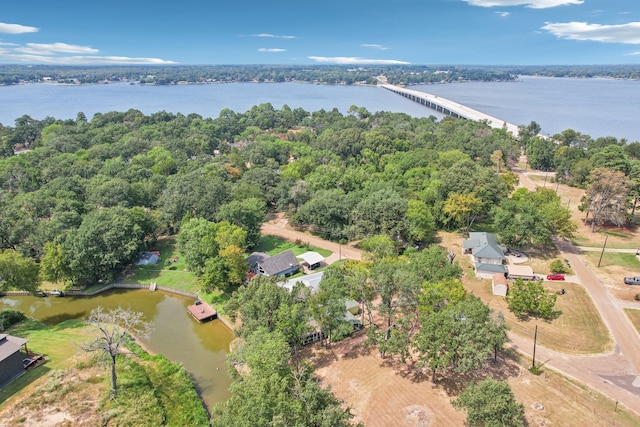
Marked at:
<point>487,255</point>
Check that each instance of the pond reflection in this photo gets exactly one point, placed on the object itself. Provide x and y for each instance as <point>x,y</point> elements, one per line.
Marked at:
<point>201,348</point>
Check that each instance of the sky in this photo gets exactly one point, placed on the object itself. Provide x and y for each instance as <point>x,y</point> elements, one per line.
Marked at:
<point>418,32</point>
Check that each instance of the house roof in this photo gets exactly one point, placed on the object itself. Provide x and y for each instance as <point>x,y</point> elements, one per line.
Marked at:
<point>256,258</point>
<point>276,264</point>
<point>9,345</point>
<point>491,267</point>
<point>311,257</point>
<point>484,245</point>
<point>310,280</point>
<point>520,270</point>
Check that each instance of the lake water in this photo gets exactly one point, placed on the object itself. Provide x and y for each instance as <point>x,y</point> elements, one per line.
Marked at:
<point>596,107</point>
<point>201,347</point>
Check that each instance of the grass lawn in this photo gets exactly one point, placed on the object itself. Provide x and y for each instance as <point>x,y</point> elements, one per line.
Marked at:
<point>274,245</point>
<point>171,270</point>
<point>58,348</point>
<point>614,265</point>
<point>634,316</point>
<point>578,330</point>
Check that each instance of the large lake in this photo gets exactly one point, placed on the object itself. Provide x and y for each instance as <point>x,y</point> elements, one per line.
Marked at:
<point>596,107</point>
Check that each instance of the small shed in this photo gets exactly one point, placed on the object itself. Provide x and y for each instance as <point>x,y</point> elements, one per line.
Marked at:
<point>499,285</point>
<point>524,272</point>
<point>312,259</point>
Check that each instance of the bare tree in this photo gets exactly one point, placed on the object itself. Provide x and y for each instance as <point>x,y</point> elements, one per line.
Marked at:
<point>114,328</point>
<point>606,197</point>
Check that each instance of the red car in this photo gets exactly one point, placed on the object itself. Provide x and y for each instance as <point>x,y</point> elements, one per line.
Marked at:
<point>556,276</point>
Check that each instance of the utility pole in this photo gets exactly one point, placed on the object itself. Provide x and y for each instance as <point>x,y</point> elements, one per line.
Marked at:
<point>603,246</point>
<point>535,338</point>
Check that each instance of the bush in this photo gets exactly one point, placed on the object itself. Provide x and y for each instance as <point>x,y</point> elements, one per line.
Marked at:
<point>11,317</point>
<point>637,297</point>
<point>558,266</point>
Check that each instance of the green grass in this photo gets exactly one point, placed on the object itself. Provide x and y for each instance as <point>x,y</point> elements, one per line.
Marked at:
<point>628,262</point>
<point>169,273</point>
<point>57,344</point>
<point>151,389</point>
<point>274,245</point>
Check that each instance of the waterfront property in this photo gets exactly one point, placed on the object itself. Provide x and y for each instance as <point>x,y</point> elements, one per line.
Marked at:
<point>283,264</point>
<point>11,357</point>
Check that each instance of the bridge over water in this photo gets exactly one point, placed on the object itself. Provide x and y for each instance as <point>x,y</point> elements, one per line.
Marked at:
<point>450,108</point>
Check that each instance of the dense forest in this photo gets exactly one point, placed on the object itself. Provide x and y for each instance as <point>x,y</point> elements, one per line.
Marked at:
<point>325,74</point>
<point>79,199</point>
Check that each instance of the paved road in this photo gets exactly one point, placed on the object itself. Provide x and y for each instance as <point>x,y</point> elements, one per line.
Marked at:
<point>615,374</point>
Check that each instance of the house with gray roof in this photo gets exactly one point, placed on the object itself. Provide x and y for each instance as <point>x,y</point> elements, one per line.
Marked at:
<point>10,358</point>
<point>487,255</point>
<point>283,264</point>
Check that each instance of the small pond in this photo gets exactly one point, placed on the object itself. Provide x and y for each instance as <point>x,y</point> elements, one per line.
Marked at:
<point>200,347</point>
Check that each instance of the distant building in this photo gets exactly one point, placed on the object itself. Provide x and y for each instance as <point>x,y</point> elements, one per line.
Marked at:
<point>10,357</point>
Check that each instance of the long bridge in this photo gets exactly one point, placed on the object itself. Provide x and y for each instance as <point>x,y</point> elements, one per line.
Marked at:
<point>450,108</point>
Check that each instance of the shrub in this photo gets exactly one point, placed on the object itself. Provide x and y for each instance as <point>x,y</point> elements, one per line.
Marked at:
<point>558,266</point>
<point>11,317</point>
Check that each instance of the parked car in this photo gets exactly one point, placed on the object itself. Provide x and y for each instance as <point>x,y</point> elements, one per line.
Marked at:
<point>27,363</point>
<point>632,280</point>
<point>555,276</point>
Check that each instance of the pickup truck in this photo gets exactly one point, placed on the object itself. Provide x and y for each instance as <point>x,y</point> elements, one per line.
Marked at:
<point>632,280</point>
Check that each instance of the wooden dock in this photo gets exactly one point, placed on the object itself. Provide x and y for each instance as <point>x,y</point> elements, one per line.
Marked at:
<point>202,312</point>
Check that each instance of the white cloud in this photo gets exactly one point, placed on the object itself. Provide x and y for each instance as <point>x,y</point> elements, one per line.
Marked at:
<point>503,14</point>
<point>624,33</point>
<point>271,50</point>
<point>53,48</point>
<point>354,60</point>
<point>274,36</point>
<point>534,4</point>
<point>10,56</point>
<point>16,28</point>
<point>375,46</point>
<point>637,52</point>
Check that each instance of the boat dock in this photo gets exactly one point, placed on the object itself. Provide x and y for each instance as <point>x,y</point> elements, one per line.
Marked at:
<point>202,312</point>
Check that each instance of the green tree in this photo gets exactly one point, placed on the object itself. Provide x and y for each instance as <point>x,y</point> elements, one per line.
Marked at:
<point>327,305</point>
<point>558,266</point>
<point>54,264</point>
<point>531,299</point>
<point>463,209</point>
<point>248,214</point>
<point>267,392</point>
<point>257,304</point>
<point>106,241</point>
<point>197,243</point>
<point>491,403</point>
<point>459,337</point>
<point>18,272</point>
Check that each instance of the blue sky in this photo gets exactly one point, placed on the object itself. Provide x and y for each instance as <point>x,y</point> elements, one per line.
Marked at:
<point>421,32</point>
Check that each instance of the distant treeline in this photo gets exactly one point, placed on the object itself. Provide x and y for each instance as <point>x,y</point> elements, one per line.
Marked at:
<point>325,74</point>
